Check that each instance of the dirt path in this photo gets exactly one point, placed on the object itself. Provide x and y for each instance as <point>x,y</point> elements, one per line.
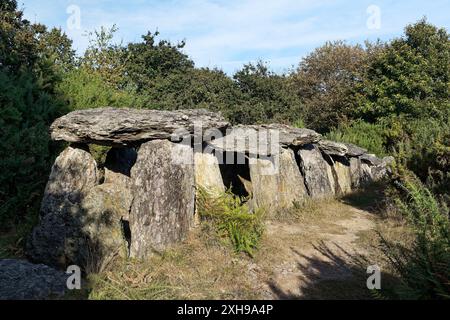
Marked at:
<point>318,260</point>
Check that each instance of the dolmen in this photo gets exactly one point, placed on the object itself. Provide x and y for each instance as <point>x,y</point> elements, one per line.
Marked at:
<point>142,199</point>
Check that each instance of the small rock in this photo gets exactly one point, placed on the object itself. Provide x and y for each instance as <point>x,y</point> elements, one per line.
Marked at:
<point>22,280</point>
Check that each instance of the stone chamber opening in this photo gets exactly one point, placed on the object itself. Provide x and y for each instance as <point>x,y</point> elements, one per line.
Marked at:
<point>126,230</point>
<point>235,171</point>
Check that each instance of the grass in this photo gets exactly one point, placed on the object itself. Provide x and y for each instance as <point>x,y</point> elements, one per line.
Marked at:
<point>194,269</point>
<point>423,265</point>
<point>128,280</point>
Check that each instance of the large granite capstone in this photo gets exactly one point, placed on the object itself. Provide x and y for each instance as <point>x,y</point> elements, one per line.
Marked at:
<point>130,127</point>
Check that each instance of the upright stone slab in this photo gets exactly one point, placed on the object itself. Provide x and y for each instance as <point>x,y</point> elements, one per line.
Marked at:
<point>277,183</point>
<point>355,172</point>
<point>82,222</point>
<point>207,172</point>
<point>207,177</point>
<point>164,194</point>
<point>342,174</point>
<point>118,164</point>
<point>58,239</point>
<point>366,174</point>
<point>316,172</point>
<point>104,223</point>
<point>382,170</point>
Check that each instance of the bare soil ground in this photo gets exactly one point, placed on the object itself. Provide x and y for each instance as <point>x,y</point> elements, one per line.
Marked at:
<point>316,254</point>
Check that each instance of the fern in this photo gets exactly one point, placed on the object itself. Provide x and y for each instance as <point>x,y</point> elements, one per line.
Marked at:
<point>232,219</point>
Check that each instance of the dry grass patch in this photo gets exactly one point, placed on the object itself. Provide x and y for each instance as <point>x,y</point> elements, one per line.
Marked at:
<point>191,270</point>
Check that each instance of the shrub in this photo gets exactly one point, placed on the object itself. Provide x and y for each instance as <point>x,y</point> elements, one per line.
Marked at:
<point>232,219</point>
<point>84,89</point>
<point>363,134</point>
<point>423,147</point>
<point>423,267</point>
<point>28,106</point>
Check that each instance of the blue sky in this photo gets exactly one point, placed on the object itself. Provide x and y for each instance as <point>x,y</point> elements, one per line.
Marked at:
<point>227,34</point>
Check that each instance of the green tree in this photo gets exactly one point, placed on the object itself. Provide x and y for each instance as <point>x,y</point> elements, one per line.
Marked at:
<point>265,96</point>
<point>28,107</point>
<point>326,82</point>
<point>410,77</point>
<point>55,46</point>
<point>149,61</point>
<point>106,58</point>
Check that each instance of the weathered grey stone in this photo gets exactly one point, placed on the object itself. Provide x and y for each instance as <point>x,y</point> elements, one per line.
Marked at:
<point>332,148</point>
<point>57,238</point>
<point>354,151</point>
<point>316,172</point>
<point>104,224</point>
<point>370,159</point>
<point>277,183</point>
<point>342,174</point>
<point>164,190</point>
<point>389,160</point>
<point>290,136</point>
<point>22,280</point>
<point>73,172</point>
<point>362,173</point>
<point>129,127</point>
<point>355,172</point>
<point>207,172</point>
<point>207,176</point>
<point>331,174</point>
<point>118,164</point>
<point>82,222</point>
<point>382,169</point>
<point>366,174</point>
<point>263,139</point>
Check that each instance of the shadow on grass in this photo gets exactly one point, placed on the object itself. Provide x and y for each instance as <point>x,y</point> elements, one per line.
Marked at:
<point>334,274</point>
